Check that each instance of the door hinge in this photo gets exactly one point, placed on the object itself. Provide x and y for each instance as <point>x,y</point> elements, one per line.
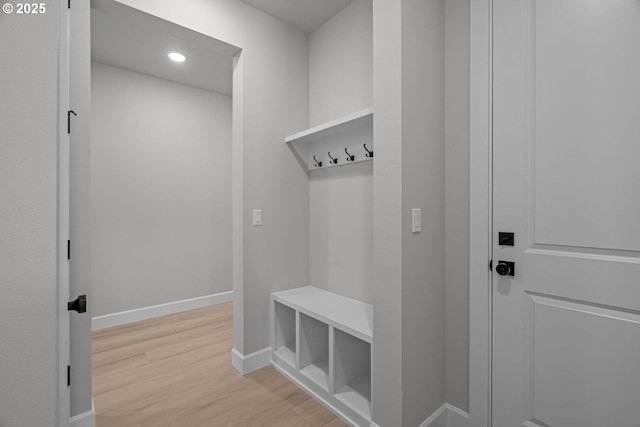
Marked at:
<point>68,375</point>
<point>69,113</point>
<point>490,265</point>
<point>68,250</point>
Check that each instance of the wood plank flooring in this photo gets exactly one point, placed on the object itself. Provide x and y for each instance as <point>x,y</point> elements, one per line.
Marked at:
<point>175,371</point>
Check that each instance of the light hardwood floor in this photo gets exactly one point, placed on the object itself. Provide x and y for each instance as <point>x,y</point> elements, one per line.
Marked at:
<point>175,371</point>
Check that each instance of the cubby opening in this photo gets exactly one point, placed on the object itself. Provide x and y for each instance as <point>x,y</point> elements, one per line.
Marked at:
<point>352,372</point>
<point>285,333</point>
<point>314,350</point>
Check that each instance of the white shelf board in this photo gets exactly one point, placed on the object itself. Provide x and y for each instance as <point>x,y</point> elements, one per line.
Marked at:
<point>326,130</point>
<point>356,395</point>
<point>346,314</point>
<point>317,374</point>
<point>286,355</point>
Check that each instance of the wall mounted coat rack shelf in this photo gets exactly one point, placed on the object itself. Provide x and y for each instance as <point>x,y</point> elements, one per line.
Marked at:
<point>339,142</point>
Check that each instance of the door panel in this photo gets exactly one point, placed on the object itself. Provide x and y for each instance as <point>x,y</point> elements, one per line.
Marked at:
<point>584,108</point>
<point>566,177</point>
<point>579,380</point>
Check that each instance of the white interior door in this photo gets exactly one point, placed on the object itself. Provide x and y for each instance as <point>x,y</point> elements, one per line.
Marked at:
<point>566,182</point>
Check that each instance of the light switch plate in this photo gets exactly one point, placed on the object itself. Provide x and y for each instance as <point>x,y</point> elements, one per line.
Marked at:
<point>416,220</point>
<point>257,217</point>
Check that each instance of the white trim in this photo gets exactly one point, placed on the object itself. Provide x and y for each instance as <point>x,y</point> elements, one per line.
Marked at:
<point>447,416</point>
<point>251,362</point>
<point>86,419</point>
<point>144,313</point>
<point>339,125</point>
<point>437,419</point>
<point>237,198</point>
<point>63,356</point>
<point>480,213</point>
<point>456,417</point>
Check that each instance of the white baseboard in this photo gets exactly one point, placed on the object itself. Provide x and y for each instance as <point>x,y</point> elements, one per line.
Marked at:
<point>250,362</point>
<point>456,417</point>
<point>437,419</point>
<point>447,416</point>
<point>86,419</point>
<point>144,313</point>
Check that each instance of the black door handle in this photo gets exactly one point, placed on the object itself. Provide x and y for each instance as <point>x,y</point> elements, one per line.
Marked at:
<point>506,268</point>
<point>79,304</point>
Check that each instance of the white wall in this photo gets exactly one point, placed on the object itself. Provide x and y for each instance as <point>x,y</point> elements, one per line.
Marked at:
<point>341,230</point>
<point>423,186</point>
<point>386,351</point>
<point>341,198</point>
<point>409,274</point>
<point>457,201</point>
<point>341,64</point>
<point>273,103</point>
<point>161,191</point>
<point>28,218</point>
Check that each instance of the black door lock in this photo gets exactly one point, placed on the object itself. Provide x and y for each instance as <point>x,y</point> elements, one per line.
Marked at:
<point>506,268</point>
<point>506,239</point>
<point>79,304</point>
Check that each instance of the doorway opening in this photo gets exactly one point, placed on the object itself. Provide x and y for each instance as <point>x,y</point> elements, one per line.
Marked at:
<point>161,201</point>
<point>160,164</point>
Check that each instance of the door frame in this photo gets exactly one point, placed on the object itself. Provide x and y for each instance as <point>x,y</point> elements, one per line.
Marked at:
<point>481,227</point>
<point>63,416</point>
<point>63,395</point>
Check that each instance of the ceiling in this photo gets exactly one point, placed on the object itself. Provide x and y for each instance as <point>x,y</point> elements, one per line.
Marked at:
<point>125,37</point>
<point>306,15</point>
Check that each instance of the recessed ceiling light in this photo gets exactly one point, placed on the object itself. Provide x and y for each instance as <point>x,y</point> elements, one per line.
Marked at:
<point>176,56</point>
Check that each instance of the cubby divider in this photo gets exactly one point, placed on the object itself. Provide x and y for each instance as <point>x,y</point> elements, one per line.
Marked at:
<point>352,372</point>
<point>285,334</point>
<point>314,350</point>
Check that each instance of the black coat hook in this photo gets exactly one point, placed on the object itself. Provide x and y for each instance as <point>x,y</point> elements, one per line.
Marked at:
<point>369,153</point>
<point>69,113</point>
<point>350,158</point>
<point>318,164</point>
<point>332,161</point>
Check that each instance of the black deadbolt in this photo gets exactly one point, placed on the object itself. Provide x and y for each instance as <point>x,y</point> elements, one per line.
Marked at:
<point>506,239</point>
<point>79,304</point>
<point>506,268</point>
